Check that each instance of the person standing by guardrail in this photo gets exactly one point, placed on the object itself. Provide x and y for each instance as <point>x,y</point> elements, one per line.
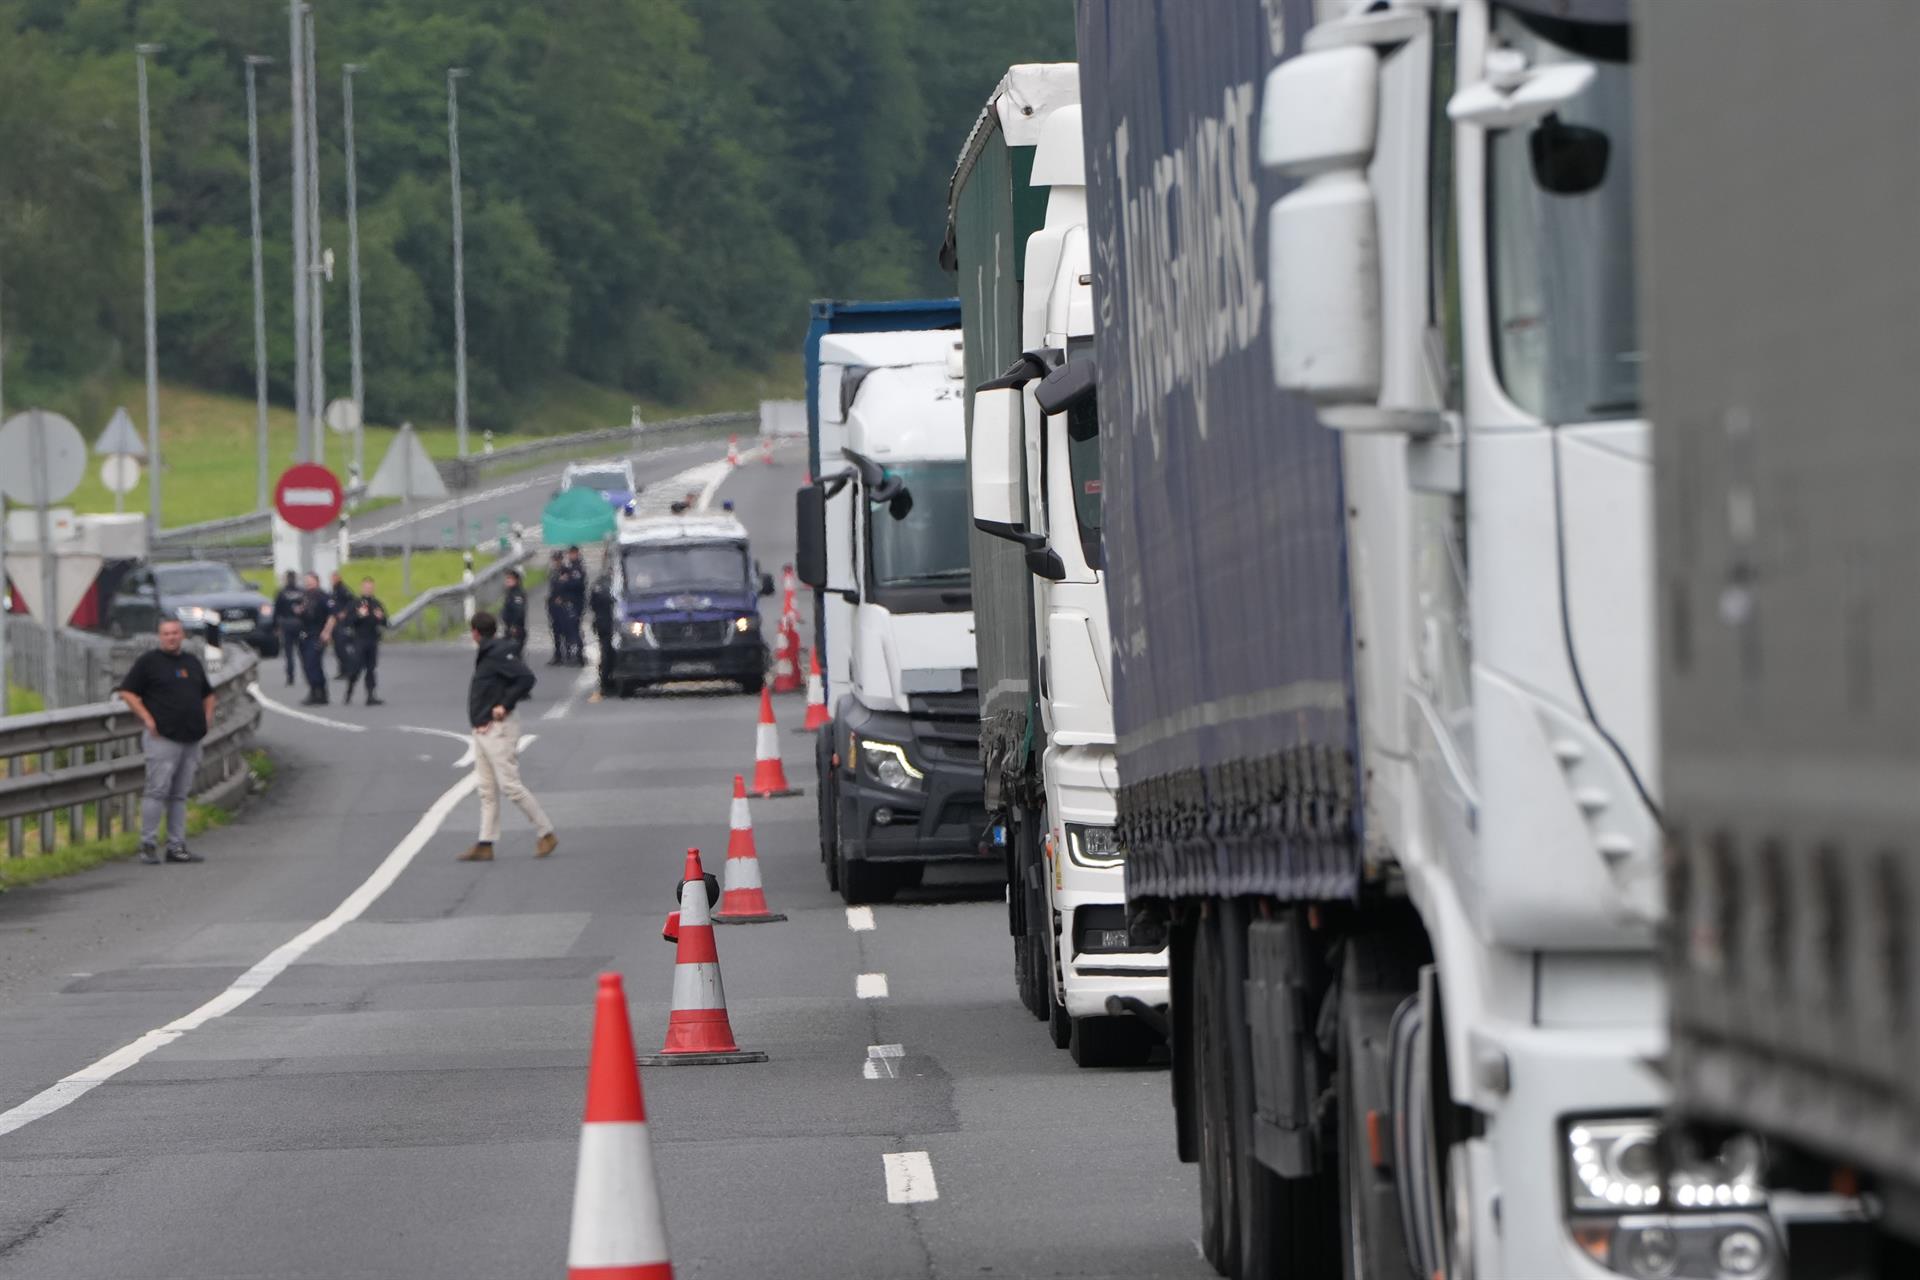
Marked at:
<point>500,682</point>
<point>286,620</point>
<point>169,690</point>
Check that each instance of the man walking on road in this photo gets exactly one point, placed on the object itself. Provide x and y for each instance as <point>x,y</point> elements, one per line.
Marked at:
<point>169,690</point>
<point>500,682</point>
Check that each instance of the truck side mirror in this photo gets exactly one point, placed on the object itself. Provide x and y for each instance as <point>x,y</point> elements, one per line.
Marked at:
<point>994,458</point>
<point>809,537</point>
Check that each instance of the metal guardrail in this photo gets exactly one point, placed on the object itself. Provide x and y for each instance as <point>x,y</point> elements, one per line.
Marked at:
<point>444,601</point>
<point>465,474</point>
<point>89,757</point>
<point>85,664</point>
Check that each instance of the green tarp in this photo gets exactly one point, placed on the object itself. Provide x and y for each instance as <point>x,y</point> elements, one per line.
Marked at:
<point>577,515</point>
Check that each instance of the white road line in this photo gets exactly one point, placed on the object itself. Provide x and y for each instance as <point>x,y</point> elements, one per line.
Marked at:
<point>585,681</point>
<point>909,1177</point>
<point>285,710</point>
<point>254,980</point>
<point>860,919</point>
<point>871,986</point>
<point>883,1062</point>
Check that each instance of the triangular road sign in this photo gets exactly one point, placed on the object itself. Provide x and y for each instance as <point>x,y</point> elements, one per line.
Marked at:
<point>121,437</point>
<point>406,471</point>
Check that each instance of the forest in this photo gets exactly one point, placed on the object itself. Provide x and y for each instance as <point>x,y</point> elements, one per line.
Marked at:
<point>653,188</point>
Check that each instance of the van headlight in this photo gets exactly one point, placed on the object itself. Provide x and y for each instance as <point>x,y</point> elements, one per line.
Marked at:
<point>890,765</point>
<point>1615,1165</point>
<point>746,623</point>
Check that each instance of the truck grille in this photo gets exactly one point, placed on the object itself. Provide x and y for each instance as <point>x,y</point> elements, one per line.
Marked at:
<point>688,635</point>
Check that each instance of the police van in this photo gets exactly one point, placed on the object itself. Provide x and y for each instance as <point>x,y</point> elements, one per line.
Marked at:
<point>686,602</point>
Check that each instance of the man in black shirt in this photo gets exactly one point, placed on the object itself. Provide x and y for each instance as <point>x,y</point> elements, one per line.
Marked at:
<point>513,613</point>
<point>500,681</point>
<point>363,622</point>
<point>169,690</point>
<point>316,607</point>
<point>286,620</point>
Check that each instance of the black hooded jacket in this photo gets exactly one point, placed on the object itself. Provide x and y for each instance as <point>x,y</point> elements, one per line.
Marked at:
<point>499,680</point>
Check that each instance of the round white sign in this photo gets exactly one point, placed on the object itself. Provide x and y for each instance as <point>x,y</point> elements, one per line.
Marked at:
<point>38,444</point>
<point>120,472</point>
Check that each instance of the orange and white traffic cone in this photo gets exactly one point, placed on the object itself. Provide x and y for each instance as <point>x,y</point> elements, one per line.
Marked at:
<point>766,450</point>
<point>786,661</point>
<point>733,451</point>
<point>769,775</point>
<point>742,901</point>
<point>697,1029</point>
<point>816,695</point>
<point>619,1228</point>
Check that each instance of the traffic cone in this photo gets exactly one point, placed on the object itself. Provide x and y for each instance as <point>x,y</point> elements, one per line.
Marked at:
<point>769,775</point>
<point>697,1029</point>
<point>816,695</point>
<point>786,661</point>
<point>733,451</point>
<point>619,1229</point>
<point>744,901</point>
<point>766,450</point>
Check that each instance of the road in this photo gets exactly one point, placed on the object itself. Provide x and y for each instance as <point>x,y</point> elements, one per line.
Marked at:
<point>403,1097</point>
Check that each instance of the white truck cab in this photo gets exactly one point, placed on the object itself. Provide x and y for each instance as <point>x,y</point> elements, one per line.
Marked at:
<point>884,535</point>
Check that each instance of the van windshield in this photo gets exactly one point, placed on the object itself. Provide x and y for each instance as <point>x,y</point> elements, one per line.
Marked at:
<point>607,480</point>
<point>710,566</point>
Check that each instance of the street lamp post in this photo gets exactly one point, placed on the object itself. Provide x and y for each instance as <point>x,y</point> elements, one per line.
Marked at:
<point>454,76</point>
<point>302,392</point>
<point>353,280</point>
<point>141,53</point>
<point>317,300</point>
<point>254,62</point>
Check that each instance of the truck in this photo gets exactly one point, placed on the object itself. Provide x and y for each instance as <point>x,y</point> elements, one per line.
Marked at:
<point>1017,242</point>
<point>1379,566</point>
<point>881,535</point>
<point>687,596</point>
<point>1779,377</point>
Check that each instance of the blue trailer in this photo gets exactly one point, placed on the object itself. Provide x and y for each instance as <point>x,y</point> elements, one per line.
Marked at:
<point>827,316</point>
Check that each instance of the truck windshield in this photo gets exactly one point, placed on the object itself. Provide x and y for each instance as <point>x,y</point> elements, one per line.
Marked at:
<point>928,547</point>
<point>712,566</point>
<point>1566,333</point>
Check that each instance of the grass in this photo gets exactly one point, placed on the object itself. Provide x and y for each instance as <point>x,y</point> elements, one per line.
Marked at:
<point>207,438</point>
<point>22,702</point>
<point>70,857</point>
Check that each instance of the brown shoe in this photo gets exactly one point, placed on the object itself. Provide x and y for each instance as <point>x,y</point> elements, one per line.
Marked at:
<point>479,853</point>
<point>546,845</point>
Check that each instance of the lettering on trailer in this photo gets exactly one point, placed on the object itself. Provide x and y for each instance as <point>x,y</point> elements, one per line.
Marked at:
<point>1194,290</point>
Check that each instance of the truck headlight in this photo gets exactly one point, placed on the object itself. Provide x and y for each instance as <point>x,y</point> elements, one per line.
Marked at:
<point>1614,1165</point>
<point>1094,846</point>
<point>890,765</point>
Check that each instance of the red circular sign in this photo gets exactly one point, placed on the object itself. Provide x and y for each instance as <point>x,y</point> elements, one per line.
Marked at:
<point>308,496</point>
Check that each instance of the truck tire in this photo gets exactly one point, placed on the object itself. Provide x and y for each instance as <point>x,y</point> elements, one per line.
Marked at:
<point>1378,975</point>
<point>829,793</point>
<point>1059,1025</point>
<point>1213,1093</point>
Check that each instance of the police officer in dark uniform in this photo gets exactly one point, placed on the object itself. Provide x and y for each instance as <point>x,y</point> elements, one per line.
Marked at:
<point>286,620</point>
<point>513,613</point>
<point>315,610</point>
<point>556,606</point>
<point>600,600</point>
<point>366,620</point>
<point>576,600</point>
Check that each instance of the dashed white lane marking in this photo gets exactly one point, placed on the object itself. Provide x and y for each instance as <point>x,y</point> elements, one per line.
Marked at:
<point>871,986</point>
<point>860,919</point>
<point>909,1177</point>
<point>883,1061</point>
<point>254,980</point>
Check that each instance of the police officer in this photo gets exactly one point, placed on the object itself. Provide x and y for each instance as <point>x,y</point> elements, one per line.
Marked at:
<point>286,620</point>
<point>576,600</point>
<point>600,599</point>
<point>364,621</point>
<point>556,606</point>
<point>513,613</point>
<point>315,610</point>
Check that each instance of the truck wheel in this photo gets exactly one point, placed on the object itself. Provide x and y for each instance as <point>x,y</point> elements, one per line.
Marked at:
<point>1111,1042</point>
<point>1377,977</point>
<point>829,794</point>
<point>1059,1025</point>
<point>1219,1203</point>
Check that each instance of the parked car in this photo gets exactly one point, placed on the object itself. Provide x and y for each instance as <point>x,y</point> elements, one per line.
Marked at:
<point>208,597</point>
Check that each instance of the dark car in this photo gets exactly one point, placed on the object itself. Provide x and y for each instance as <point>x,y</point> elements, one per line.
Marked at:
<point>208,597</point>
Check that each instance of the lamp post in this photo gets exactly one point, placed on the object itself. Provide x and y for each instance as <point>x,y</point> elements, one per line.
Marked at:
<point>254,62</point>
<point>141,53</point>
<point>317,344</point>
<point>353,279</point>
<point>302,392</point>
<point>454,76</point>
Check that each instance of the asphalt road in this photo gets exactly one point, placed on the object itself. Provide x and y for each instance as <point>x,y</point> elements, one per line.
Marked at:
<point>403,1098</point>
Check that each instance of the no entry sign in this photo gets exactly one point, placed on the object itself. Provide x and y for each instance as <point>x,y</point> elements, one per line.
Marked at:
<point>308,496</point>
